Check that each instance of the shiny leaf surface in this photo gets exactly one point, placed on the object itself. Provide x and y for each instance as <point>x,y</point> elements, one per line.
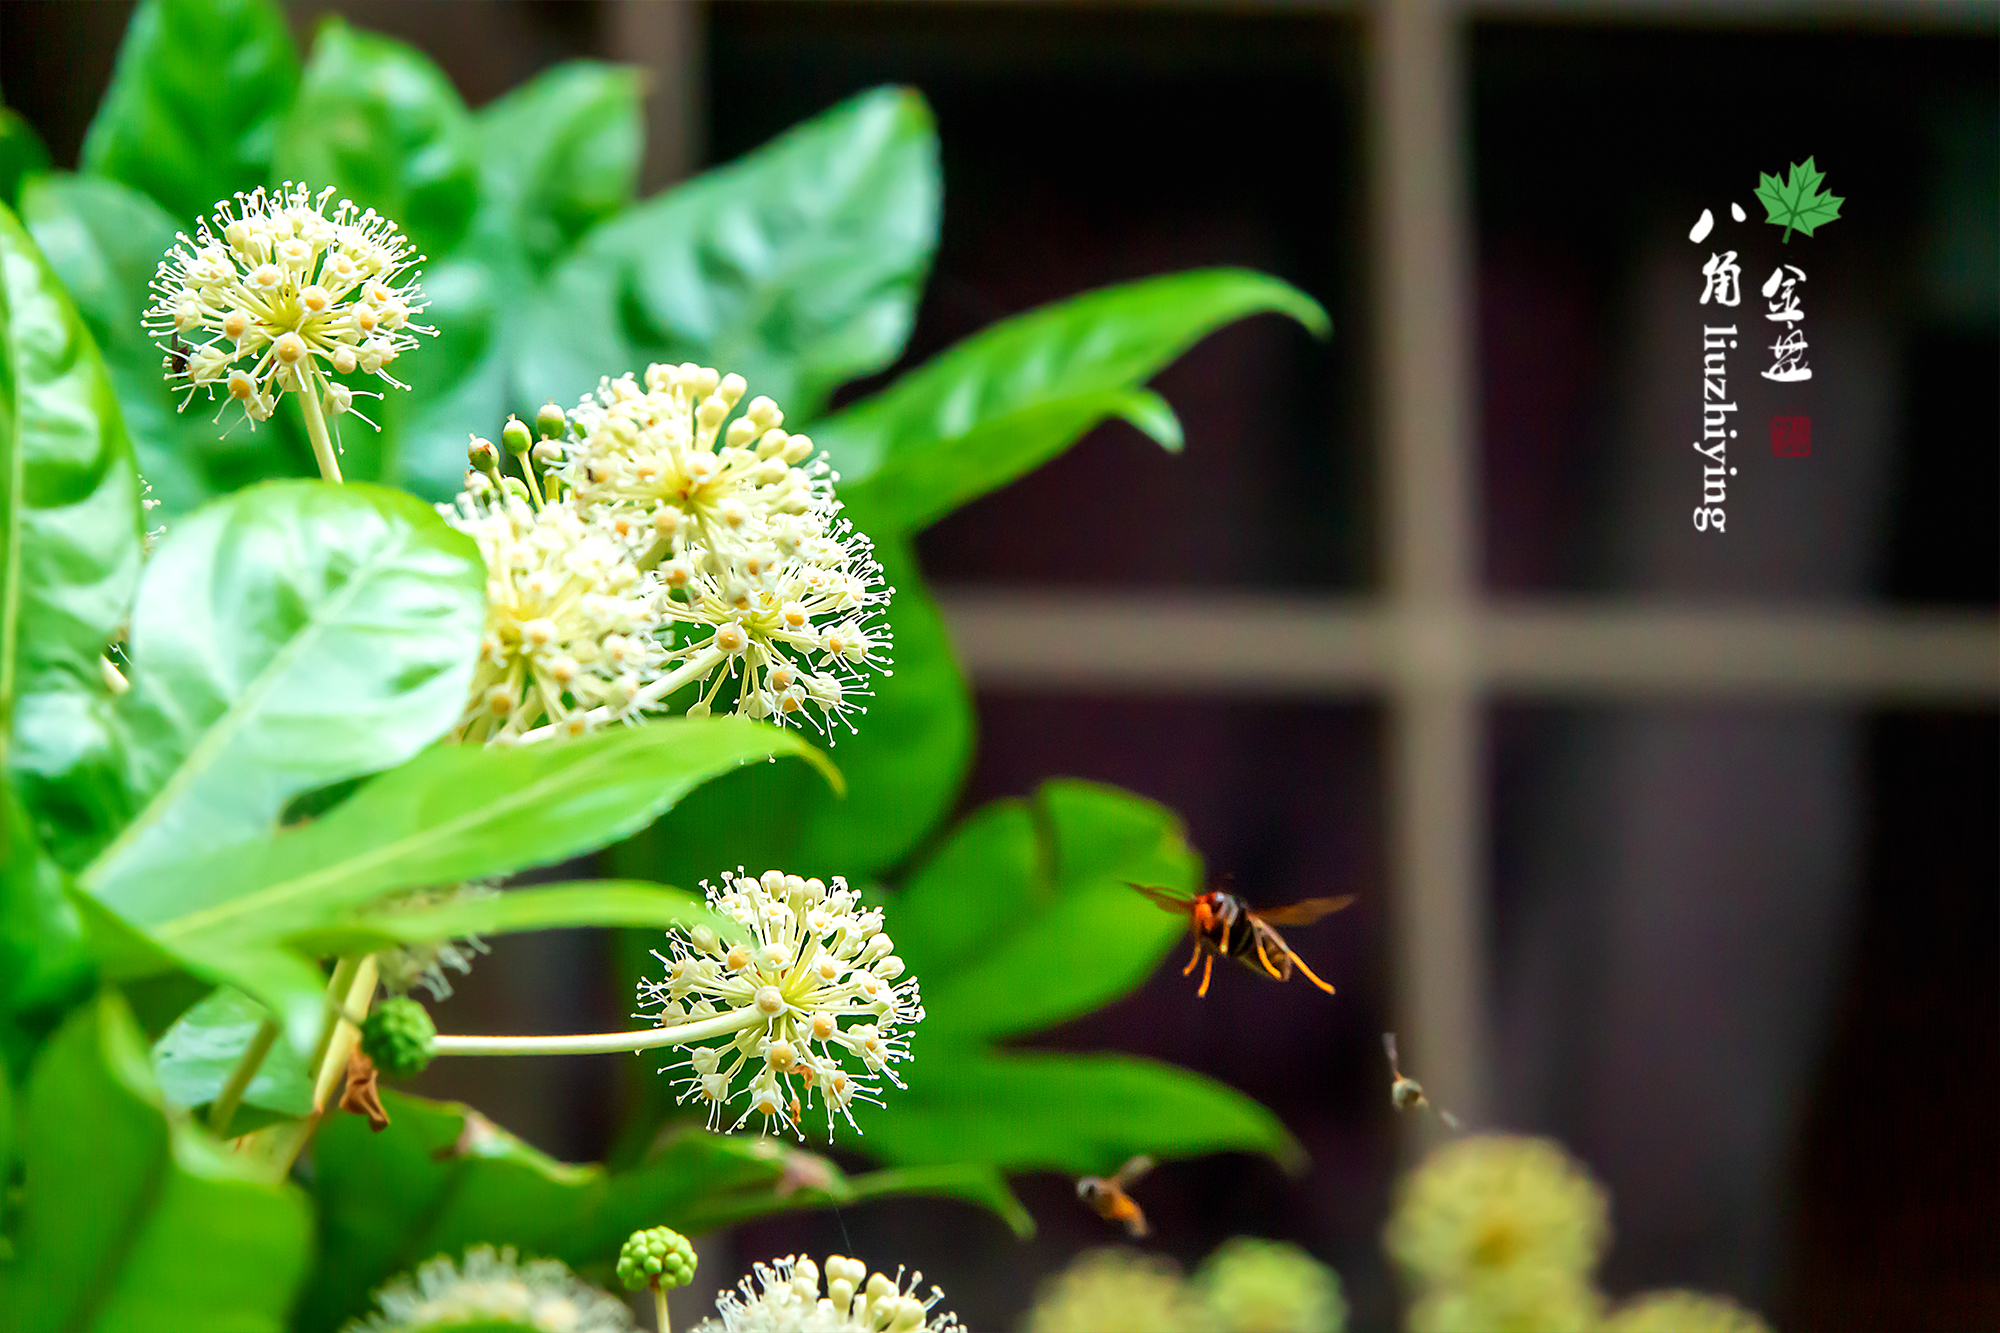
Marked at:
<point>192,112</point>
<point>290,636</point>
<point>134,1219</point>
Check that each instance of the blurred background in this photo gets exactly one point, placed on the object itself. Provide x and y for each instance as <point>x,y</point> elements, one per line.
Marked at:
<point>1679,847</point>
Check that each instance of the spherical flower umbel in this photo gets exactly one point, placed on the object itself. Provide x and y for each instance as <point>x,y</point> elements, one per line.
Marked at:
<point>657,1257</point>
<point>1682,1312</point>
<point>1267,1286</point>
<point>1494,1208</point>
<point>785,1298</point>
<point>664,451</point>
<point>819,984</point>
<point>572,621</point>
<point>1119,1291</point>
<point>494,1289</point>
<point>274,294</point>
<point>399,1037</point>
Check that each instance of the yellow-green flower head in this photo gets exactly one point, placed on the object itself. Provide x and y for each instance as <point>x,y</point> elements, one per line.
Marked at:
<point>572,620</point>
<point>410,964</point>
<point>1119,1291</point>
<point>784,1297</point>
<point>494,1291</point>
<point>819,983</point>
<point>274,294</point>
<point>1263,1286</point>
<point>1544,1302</point>
<point>1489,1207</point>
<point>664,451</point>
<point>1682,1312</point>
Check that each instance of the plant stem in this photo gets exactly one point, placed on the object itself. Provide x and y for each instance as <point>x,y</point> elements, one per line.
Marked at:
<point>348,992</point>
<point>660,1308</point>
<point>604,1043</point>
<point>693,669</point>
<point>246,1069</point>
<point>329,465</point>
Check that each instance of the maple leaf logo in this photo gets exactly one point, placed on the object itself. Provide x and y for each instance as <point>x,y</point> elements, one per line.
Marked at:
<point>1796,204</point>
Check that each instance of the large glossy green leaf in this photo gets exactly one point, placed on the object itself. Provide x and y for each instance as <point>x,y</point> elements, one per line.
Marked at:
<point>69,553</point>
<point>544,907</point>
<point>379,121</point>
<point>194,104</point>
<point>988,409</point>
<point>798,266</point>
<point>442,1177</point>
<point>202,1049</point>
<point>451,814</point>
<point>23,155</point>
<point>903,767</point>
<point>105,240</point>
<point>560,154</point>
<point>43,956</point>
<point>134,1219</point>
<point>1040,890</point>
<point>1069,1113</point>
<point>290,636</point>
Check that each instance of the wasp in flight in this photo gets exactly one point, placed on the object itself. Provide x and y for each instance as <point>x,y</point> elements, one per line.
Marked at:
<point>1224,926</point>
<point>1405,1092</point>
<point>1108,1199</point>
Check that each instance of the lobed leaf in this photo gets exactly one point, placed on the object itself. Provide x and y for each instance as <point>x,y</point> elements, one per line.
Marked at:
<point>196,1056</point>
<point>23,156</point>
<point>1070,1113</point>
<point>451,814</point>
<point>560,154</point>
<point>989,408</point>
<point>195,100</point>
<point>798,266</point>
<point>377,120</point>
<point>132,1219</point>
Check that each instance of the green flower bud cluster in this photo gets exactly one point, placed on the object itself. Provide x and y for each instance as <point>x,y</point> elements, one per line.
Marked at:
<point>658,1257</point>
<point>399,1037</point>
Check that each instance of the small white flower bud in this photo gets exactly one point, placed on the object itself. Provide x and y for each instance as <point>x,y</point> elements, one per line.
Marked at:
<point>344,359</point>
<point>770,1000</point>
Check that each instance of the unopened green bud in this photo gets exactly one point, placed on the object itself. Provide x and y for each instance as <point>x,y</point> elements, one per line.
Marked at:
<point>517,437</point>
<point>550,421</point>
<point>658,1257</point>
<point>548,453</point>
<point>482,455</point>
<point>399,1037</point>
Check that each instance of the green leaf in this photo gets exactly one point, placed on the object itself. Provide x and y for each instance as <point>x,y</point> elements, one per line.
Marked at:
<point>915,489</point>
<point>69,554</point>
<point>381,122</point>
<point>200,1051</point>
<point>23,156</point>
<point>1068,1113</point>
<point>1041,891</point>
<point>105,240</point>
<point>560,154</point>
<point>192,112</point>
<point>544,907</point>
<point>290,636</point>
<point>453,813</point>
<point>902,769</point>
<point>43,956</point>
<point>1009,397</point>
<point>134,1219</point>
<point>1797,203</point>
<point>798,266</point>
<point>442,1177</point>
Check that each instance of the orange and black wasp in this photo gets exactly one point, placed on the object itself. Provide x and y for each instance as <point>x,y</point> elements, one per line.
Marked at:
<point>1225,926</point>
<point>1108,1199</point>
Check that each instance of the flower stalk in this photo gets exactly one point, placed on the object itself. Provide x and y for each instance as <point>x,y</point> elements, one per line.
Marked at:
<point>604,1043</point>
<point>240,1078</point>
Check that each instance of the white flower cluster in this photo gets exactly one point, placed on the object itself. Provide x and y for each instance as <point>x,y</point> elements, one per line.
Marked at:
<point>277,293</point>
<point>786,1299</point>
<point>652,543</point>
<point>813,960</point>
<point>494,1289</point>
<point>572,622</point>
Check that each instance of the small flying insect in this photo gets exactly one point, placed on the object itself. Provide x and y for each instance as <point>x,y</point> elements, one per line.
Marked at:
<point>1108,1199</point>
<point>1406,1092</point>
<point>175,362</point>
<point>1224,926</point>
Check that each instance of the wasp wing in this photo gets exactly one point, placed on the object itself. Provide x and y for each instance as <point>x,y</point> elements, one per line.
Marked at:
<point>1131,1173</point>
<point>1177,901</point>
<point>1306,912</point>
